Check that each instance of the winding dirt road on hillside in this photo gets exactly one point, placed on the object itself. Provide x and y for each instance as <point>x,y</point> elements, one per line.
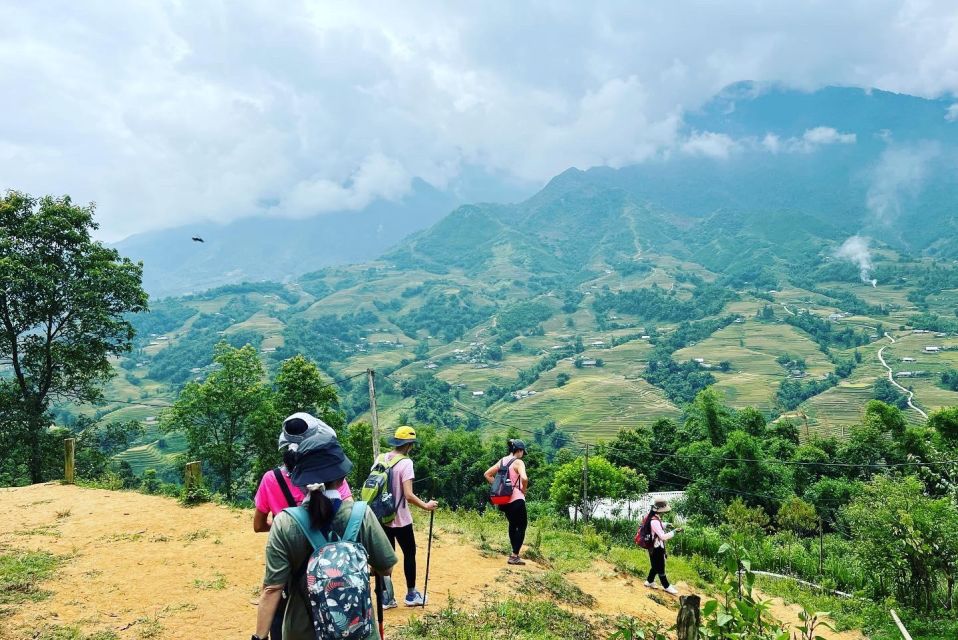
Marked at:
<point>144,567</point>
<point>891,378</point>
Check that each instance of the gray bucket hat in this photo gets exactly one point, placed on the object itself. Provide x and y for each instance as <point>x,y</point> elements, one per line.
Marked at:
<point>300,426</point>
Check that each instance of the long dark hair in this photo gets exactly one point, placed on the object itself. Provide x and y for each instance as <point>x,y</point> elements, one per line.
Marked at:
<point>320,508</point>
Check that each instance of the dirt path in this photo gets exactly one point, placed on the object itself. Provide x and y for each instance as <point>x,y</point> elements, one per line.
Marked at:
<point>142,566</point>
<point>891,378</point>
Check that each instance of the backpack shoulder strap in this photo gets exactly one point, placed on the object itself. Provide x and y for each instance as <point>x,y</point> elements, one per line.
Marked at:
<point>393,461</point>
<point>351,534</point>
<point>299,514</point>
<point>281,481</point>
<point>506,465</point>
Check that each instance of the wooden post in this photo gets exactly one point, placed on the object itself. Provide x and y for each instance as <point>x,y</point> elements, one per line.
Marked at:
<point>585,486</point>
<point>69,460</point>
<point>371,375</point>
<point>689,619</point>
<point>193,478</point>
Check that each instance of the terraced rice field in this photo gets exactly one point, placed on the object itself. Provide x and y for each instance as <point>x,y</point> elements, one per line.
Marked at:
<point>752,347</point>
<point>593,404</point>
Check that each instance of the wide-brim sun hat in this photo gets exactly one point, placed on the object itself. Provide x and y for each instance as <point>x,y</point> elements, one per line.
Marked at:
<point>404,435</point>
<point>298,427</point>
<point>661,506</point>
<point>320,459</point>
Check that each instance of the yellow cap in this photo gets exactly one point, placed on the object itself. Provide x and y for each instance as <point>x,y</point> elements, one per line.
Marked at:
<point>404,435</point>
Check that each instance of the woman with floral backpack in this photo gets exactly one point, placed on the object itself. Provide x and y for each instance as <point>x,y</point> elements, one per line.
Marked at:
<point>512,473</point>
<point>321,467</point>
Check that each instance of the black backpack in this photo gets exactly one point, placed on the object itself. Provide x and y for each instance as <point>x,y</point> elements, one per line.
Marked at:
<point>502,487</point>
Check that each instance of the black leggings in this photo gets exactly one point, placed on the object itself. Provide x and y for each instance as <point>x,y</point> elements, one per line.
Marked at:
<point>518,521</point>
<point>657,559</point>
<point>407,542</point>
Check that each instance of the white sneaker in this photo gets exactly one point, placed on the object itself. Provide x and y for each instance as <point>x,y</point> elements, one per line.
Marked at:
<point>415,600</point>
<point>650,585</point>
<point>671,589</point>
<point>392,604</point>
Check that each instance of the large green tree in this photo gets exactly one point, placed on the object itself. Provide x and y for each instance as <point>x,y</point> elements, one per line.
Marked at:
<point>300,387</point>
<point>63,300</point>
<point>606,481</point>
<point>228,419</point>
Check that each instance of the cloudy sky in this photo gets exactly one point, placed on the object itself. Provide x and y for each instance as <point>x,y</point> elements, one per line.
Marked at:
<point>168,112</point>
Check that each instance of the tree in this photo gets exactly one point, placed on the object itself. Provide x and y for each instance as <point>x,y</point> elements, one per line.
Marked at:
<point>797,516</point>
<point>63,302</point>
<point>562,378</point>
<point>228,419</point>
<point>945,422</point>
<point>907,540</point>
<point>606,481</point>
<point>300,387</point>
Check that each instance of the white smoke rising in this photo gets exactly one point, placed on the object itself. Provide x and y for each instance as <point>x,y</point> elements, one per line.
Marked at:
<point>855,249</point>
<point>900,173</point>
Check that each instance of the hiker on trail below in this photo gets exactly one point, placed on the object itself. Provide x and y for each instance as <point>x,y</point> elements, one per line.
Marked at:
<point>400,528</point>
<point>515,508</point>
<point>276,490</point>
<point>321,467</point>
<point>657,552</point>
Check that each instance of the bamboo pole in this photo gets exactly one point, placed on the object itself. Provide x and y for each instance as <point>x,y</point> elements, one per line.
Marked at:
<point>901,627</point>
<point>69,460</point>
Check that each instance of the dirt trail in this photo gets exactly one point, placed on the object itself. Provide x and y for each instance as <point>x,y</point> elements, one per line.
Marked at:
<point>139,564</point>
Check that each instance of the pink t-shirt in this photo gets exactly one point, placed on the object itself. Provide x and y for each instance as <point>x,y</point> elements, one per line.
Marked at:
<point>514,478</point>
<point>401,472</point>
<point>270,499</point>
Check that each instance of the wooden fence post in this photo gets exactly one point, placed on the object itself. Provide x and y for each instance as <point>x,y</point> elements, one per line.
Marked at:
<point>194,475</point>
<point>689,619</point>
<point>69,460</point>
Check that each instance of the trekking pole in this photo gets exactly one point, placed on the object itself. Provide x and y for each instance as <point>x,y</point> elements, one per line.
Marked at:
<point>379,605</point>
<point>425,587</point>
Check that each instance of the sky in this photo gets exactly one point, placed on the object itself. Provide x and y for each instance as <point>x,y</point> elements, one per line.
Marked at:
<point>169,112</point>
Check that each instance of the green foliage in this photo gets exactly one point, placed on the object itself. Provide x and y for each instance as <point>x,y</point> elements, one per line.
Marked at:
<point>949,379</point>
<point>605,481</point>
<point>63,307</point>
<point>945,422</point>
<point>229,420</point>
<point>797,516</point>
<point>884,391</point>
<point>447,316</point>
<point>827,333</point>
<point>299,387</point>
<point>907,540</point>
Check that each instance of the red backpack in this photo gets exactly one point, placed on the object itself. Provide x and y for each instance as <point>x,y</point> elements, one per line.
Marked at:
<point>644,536</point>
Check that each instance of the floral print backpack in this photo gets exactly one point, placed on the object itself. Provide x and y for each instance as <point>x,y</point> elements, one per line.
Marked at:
<point>337,579</point>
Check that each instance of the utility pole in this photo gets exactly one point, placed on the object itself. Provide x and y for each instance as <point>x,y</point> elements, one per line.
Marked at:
<point>821,546</point>
<point>371,375</point>
<point>585,486</point>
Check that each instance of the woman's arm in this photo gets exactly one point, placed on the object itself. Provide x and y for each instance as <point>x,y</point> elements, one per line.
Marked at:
<point>413,499</point>
<point>490,473</point>
<point>523,478</point>
<point>260,521</point>
<point>660,531</point>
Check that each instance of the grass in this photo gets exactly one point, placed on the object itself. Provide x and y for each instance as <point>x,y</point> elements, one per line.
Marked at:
<point>58,632</point>
<point>218,583</point>
<point>21,573</point>
<point>555,586</point>
<point>524,618</point>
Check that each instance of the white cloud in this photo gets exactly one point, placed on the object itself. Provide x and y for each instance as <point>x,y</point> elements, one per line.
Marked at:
<point>827,135</point>
<point>164,111</point>
<point>951,114</point>
<point>709,144</point>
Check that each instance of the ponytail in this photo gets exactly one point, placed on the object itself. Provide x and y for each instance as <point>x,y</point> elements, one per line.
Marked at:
<point>320,508</point>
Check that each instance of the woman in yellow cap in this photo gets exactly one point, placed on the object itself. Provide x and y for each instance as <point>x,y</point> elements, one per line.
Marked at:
<point>400,528</point>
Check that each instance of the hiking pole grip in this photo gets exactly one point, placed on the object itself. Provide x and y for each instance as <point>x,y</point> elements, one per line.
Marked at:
<point>425,587</point>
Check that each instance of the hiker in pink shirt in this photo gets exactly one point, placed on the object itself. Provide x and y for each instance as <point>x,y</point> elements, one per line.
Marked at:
<point>276,489</point>
<point>657,551</point>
